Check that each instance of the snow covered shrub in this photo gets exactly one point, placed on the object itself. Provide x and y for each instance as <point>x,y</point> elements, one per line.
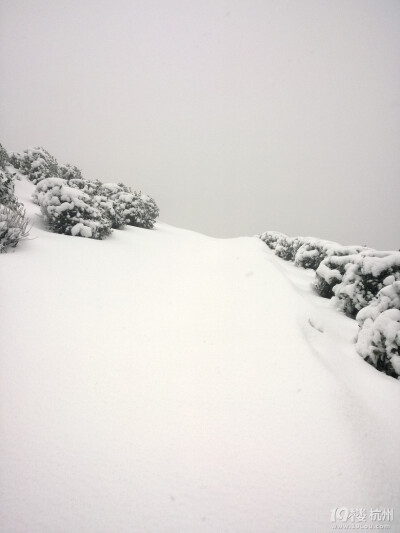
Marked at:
<point>112,190</point>
<point>4,157</point>
<point>143,212</point>
<point>13,226</point>
<point>80,183</point>
<point>272,238</point>
<point>313,251</point>
<point>7,195</point>
<point>111,210</point>
<point>90,187</point>
<point>45,185</point>
<point>286,247</point>
<point>330,273</point>
<point>137,209</point>
<point>37,164</point>
<point>309,255</point>
<point>107,200</point>
<point>331,269</point>
<point>6,186</point>
<point>15,159</point>
<point>68,172</point>
<point>378,340</point>
<point>365,275</point>
<point>122,186</point>
<point>70,211</point>
<point>104,197</point>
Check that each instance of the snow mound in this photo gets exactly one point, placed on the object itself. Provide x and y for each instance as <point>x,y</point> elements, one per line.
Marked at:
<point>164,381</point>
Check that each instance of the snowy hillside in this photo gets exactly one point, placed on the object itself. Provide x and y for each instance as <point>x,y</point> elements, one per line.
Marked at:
<point>167,382</point>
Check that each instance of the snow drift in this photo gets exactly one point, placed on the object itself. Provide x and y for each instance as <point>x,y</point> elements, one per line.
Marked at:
<point>163,381</point>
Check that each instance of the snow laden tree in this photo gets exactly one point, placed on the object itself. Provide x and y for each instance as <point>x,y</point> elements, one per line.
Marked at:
<point>70,211</point>
<point>36,164</point>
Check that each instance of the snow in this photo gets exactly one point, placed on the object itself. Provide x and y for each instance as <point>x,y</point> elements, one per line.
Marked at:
<point>163,381</point>
<point>384,332</point>
<point>387,298</point>
<point>395,360</point>
<point>38,163</point>
<point>377,264</point>
<point>82,230</point>
<point>112,187</point>
<point>328,274</point>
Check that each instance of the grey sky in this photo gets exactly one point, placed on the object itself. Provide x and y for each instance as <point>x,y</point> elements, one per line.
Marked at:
<point>236,116</point>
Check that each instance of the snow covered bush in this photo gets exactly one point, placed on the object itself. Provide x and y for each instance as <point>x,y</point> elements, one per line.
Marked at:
<point>378,340</point>
<point>37,164</point>
<point>4,157</point>
<point>105,197</point>
<point>387,298</point>
<point>287,247</point>
<point>330,273</point>
<point>313,251</point>
<point>111,209</point>
<point>143,212</point>
<point>331,270</point>
<point>13,226</point>
<point>7,195</point>
<point>137,209</point>
<point>68,172</point>
<point>70,211</point>
<point>306,252</point>
<point>113,189</point>
<point>45,185</point>
<point>15,159</point>
<point>107,200</point>
<point>365,274</point>
<point>90,187</point>
<point>310,253</point>
<point>272,238</point>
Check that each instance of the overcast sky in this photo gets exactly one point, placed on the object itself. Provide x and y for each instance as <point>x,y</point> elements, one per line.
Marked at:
<point>236,116</point>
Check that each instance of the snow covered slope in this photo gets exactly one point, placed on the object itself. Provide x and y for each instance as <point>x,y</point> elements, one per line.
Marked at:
<point>167,382</point>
